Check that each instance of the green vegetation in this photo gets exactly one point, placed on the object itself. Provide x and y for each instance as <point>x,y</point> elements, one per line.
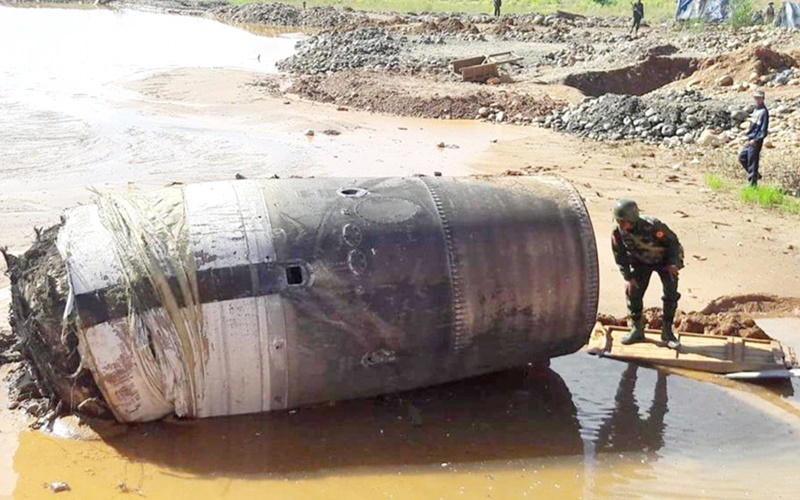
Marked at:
<point>741,13</point>
<point>770,197</point>
<point>766,196</point>
<point>655,10</point>
<point>716,183</point>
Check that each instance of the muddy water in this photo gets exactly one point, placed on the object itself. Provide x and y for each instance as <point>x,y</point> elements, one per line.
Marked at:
<point>589,428</point>
<point>60,102</point>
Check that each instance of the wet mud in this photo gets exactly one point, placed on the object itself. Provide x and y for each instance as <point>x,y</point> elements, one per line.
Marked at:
<point>585,427</point>
<point>52,378</point>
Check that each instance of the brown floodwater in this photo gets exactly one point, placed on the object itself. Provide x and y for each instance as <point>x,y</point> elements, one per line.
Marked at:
<point>587,427</point>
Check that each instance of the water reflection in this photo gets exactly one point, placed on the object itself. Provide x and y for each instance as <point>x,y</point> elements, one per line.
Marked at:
<point>512,415</point>
<point>591,428</point>
<point>509,415</point>
<point>625,428</point>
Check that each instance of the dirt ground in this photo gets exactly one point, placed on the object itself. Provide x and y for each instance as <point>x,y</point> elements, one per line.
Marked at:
<point>731,249</point>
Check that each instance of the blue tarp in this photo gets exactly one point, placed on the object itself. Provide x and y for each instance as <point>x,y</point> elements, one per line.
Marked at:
<point>707,10</point>
<point>788,16</point>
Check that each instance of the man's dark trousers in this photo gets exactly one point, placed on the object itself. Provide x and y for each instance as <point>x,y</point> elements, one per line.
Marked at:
<point>749,157</point>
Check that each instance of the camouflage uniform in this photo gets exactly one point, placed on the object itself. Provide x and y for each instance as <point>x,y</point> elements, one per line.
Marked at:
<point>649,246</point>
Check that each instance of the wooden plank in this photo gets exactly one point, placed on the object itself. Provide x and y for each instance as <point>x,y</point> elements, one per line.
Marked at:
<point>463,63</point>
<point>711,353</point>
<point>479,72</point>
<point>503,58</point>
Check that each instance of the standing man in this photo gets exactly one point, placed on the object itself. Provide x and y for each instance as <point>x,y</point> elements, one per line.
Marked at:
<point>643,245</point>
<point>769,15</point>
<point>638,15</point>
<point>759,128</point>
<point>497,4</point>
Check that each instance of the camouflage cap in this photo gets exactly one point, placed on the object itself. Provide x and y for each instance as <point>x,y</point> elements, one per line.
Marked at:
<point>626,210</point>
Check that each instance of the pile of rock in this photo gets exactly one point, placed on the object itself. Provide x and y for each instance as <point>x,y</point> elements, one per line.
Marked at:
<point>278,14</point>
<point>788,76</point>
<point>670,118</point>
<point>569,55</point>
<point>428,40</point>
<point>620,49</point>
<point>516,110</point>
<point>721,39</point>
<point>366,47</point>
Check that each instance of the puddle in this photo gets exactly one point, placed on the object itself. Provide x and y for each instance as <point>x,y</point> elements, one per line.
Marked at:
<point>590,428</point>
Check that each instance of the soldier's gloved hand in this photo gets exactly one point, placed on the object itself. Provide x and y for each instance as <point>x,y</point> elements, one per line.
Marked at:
<point>673,271</point>
<point>630,286</point>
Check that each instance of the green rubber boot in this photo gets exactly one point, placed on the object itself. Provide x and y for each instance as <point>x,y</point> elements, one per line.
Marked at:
<point>637,332</point>
<point>666,325</point>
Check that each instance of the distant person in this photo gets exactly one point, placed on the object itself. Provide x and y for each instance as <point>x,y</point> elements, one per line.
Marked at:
<point>769,14</point>
<point>750,154</point>
<point>643,245</point>
<point>638,15</point>
<point>497,4</point>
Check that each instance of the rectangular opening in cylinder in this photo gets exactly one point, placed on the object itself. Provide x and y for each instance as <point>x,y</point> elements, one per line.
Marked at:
<point>294,275</point>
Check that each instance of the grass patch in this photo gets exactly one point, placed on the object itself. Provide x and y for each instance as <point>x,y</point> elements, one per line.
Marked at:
<point>656,10</point>
<point>768,196</point>
<point>716,183</point>
<point>727,177</point>
<point>741,13</point>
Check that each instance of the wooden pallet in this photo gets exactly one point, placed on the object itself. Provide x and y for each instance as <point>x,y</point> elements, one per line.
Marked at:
<point>708,353</point>
<point>481,68</point>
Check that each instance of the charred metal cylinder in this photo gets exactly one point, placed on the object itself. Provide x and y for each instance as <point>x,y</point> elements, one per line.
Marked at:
<point>249,296</point>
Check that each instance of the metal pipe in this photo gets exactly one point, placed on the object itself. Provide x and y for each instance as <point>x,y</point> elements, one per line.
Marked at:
<point>249,296</point>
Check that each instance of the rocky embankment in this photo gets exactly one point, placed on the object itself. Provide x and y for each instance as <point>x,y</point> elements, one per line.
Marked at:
<point>671,118</point>
<point>278,14</point>
<point>366,47</point>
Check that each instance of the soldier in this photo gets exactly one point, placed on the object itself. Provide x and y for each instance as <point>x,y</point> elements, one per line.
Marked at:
<point>769,15</point>
<point>497,4</point>
<point>642,245</point>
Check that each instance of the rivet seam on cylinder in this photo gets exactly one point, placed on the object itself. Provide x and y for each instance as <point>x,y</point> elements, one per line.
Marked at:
<point>591,281</point>
<point>459,318</point>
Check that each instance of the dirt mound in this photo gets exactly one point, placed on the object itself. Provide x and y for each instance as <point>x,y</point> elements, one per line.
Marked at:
<point>513,26</point>
<point>755,304</point>
<point>278,14</point>
<point>363,47</point>
<point>731,316</point>
<point>410,96</point>
<point>446,26</point>
<point>455,25</point>
<point>745,65</point>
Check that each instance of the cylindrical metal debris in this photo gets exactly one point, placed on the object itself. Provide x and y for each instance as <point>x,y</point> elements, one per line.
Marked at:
<point>249,296</point>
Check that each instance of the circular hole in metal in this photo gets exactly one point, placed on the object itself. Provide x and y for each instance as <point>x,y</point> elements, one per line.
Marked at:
<point>352,192</point>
